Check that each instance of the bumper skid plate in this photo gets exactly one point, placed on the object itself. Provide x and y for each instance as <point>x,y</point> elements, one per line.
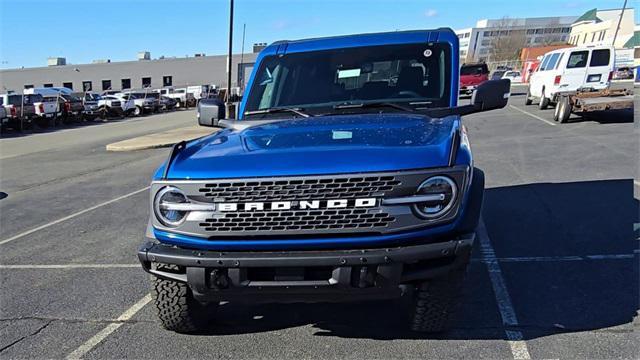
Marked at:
<point>305,276</point>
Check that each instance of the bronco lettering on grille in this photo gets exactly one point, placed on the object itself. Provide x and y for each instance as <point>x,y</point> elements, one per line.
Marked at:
<point>303,205</point>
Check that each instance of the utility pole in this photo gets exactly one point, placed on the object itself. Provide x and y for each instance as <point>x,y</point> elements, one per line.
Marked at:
<point>228,105</point>
<point>619,22</point>
<point>241,85</point>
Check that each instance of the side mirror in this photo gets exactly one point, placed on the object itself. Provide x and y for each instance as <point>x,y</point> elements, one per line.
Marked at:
<point>491,94</point>
<point>210,111</point>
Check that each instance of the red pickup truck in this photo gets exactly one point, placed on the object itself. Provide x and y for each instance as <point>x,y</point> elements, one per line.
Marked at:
<point>472,75</point>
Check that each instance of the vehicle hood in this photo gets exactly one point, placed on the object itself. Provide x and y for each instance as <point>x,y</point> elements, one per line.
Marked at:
<point>467,80</point>
<point>319,145</point>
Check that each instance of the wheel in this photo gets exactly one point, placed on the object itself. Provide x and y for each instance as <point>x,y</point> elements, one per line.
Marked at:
<point>556,111</point>
<point>434,301</point>
<point>178,105</point>
<point>527,99</point>
<point>177,309</point>
<point>137,111</point>
<point>103,113</point>
<point>544,102</point>
<point>564,109</point>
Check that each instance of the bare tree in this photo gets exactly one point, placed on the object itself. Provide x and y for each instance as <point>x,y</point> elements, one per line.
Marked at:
<point>506,41</point>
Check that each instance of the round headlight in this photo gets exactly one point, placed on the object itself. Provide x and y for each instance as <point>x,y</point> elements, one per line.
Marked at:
<point>162,206</point>
<point>437,185</point>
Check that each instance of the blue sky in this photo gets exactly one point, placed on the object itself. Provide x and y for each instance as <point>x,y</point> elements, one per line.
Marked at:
<point>84,30</point>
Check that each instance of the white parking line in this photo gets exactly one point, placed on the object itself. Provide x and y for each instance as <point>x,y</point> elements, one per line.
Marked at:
<point>71,266</point>
<point>109,329</point>
<point>518,346</point>
<point>29,232</point>
<point>534,116</point>
<point>636,182</point>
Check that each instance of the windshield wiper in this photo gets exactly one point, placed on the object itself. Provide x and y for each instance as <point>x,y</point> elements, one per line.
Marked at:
<point>297,111</point>
<point>373,105</point>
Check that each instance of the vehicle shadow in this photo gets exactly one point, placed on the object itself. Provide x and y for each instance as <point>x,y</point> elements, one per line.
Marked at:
<point>606,117</point>
<point>544,235</point>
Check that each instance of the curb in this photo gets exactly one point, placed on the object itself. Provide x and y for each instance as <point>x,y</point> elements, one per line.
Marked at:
<point>161,139</point>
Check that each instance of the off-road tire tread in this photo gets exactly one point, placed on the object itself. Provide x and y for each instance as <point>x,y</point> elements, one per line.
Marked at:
<point>435,300</point>
<point>177,309</point>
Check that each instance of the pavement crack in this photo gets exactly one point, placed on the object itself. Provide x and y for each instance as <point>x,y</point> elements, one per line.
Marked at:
<point>76,320</point>
<point>36,332</point>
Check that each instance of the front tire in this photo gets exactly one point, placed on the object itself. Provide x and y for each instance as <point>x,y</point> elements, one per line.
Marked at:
<point>137,111</point>
<point>434,300</point>
<point>177,309</point>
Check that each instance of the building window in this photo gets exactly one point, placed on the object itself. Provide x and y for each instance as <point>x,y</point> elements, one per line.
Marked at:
<point>166,80</point>
<point>86,86</point>
<point>126,84</point>
<point>68,85</point>
<point>106,85</point>
<point>30,86</point>
<point>48,85</point>
<point>146,82</point>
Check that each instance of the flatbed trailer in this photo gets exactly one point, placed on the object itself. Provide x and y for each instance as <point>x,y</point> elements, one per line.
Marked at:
<point>618,96</point>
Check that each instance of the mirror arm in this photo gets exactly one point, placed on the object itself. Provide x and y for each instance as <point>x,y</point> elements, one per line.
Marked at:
<point>458,110</point>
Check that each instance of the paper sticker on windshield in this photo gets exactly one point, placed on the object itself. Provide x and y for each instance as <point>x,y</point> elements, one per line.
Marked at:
<point>342,135</point>
<point>427,53</point>
<point>348,73</point>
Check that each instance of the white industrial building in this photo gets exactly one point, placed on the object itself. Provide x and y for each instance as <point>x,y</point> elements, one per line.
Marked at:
<point>476,42</point>
<point>145,72</point>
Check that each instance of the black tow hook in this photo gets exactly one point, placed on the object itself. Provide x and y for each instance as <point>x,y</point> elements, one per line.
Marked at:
<point>219,279</point>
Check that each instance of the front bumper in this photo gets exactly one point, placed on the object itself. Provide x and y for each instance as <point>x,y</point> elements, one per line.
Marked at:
<point>305,276</point>
<point>467,90</point>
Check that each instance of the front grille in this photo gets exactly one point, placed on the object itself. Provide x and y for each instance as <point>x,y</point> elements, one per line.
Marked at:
<point>297,220</point>
<point>300,189</point>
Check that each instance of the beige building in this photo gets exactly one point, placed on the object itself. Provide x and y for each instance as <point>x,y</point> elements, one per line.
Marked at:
<point>598,27</point>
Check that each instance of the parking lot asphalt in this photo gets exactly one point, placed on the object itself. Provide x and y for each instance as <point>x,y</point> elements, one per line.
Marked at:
<point>554,273</point>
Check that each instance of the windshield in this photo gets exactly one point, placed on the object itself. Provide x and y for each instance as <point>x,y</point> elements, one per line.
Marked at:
<point>410,74</point>
<point>474,69</point>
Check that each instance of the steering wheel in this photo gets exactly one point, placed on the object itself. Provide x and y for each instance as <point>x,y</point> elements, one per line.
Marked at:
<point>407,93</point>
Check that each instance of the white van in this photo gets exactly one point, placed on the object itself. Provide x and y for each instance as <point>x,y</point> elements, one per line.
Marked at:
<point>570,69</point>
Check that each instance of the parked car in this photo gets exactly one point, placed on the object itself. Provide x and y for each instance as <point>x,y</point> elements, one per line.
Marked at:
<point>141,101</point>
<point>167,103</point>
<point>19,108</point>
<point>497,75</point>
<point>570,69</point>
<point>472,75</point>
<point>101,106</point>
<point>342,185</point>
<point>70,107</point>
<point>110,92</point>
<point>181,96</point>
<point>157,103</point>
<point>513,76</point>
<point>623,73</point>
<point>46,109</point>
<point>3,116</point>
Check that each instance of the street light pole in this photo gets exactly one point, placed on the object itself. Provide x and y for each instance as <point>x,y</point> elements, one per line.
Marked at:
<point>619,23</point>
<point>228,104</point>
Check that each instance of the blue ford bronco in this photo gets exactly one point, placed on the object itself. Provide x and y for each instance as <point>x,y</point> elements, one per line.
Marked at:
<point>347,176</point>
